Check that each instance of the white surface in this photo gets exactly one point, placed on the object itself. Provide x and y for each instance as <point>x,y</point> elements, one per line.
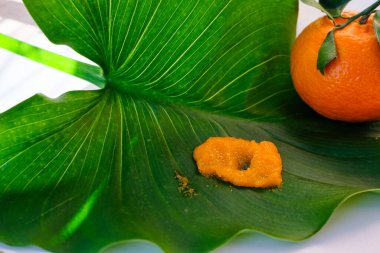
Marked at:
<point>21,78</point>
<point>354,227</point>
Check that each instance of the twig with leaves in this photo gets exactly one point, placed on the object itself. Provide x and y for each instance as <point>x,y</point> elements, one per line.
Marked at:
<point>333,9</point>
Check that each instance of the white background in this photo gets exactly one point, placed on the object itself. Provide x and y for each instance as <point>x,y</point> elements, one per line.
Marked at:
<point>354,227</point>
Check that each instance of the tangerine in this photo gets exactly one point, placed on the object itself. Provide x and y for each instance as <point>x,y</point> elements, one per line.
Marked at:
<point>350,88</point>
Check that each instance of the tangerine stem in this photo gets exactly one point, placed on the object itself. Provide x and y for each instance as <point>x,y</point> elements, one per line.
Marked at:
<point>366,11</point>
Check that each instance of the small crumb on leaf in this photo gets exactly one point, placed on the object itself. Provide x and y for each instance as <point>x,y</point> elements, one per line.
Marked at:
<point>184,185</point>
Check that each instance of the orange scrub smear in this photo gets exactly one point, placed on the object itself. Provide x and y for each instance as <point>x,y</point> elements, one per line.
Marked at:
<point>240,162</point>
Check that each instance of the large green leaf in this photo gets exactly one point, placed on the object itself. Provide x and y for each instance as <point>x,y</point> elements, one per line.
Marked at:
<point>95,167</point>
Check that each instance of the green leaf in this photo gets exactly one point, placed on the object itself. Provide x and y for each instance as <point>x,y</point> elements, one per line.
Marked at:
<point>332,8</point>
<point>335,7</point>
<point>327,52</point>
<point>376,25</point>
<point>106,163</point>
<point>319,6</point>
<point>93,168</point>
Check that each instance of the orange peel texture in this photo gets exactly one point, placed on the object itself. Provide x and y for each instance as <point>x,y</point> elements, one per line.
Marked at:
<point>240,162</point>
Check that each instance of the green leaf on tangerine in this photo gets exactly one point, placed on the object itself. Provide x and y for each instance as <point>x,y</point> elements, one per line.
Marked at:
<point>327,52</point>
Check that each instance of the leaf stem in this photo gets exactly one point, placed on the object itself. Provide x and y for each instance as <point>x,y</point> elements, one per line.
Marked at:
<point>91,73</point>
<point>328,52</point>
<point>366,11</point>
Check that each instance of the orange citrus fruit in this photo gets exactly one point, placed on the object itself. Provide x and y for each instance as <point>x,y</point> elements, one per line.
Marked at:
<point>350,89</point>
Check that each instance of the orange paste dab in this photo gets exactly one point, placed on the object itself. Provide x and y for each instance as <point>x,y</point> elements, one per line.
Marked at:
<point>241,162</point>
